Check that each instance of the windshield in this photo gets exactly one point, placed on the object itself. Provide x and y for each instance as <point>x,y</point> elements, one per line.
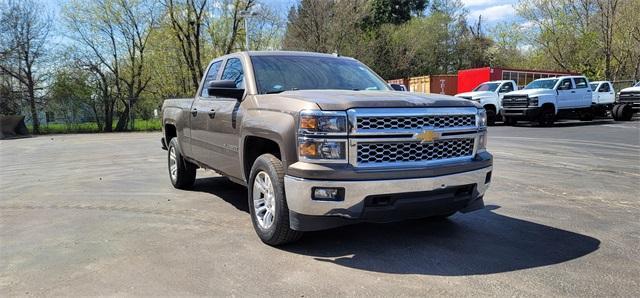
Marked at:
<point>281,73</point>
<point>487,87</point>
<point>542,84</point>
<point>593,86</point>
<point>637,84</point>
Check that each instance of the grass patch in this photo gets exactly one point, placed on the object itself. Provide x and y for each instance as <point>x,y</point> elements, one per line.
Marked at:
<point>92,127</point>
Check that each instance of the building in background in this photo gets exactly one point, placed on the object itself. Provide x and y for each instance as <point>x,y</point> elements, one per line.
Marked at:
<point>471,78</point>
<point>438,84</point>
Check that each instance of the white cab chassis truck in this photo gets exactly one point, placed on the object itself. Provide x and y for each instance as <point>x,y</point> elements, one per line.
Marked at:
<point>627,104</point>
<point>548,99</point>
<point>489,95</point>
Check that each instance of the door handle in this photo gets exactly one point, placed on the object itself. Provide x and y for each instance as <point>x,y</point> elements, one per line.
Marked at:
<point>194,112</point>
<point>212,113</point>
<point>573,92</point>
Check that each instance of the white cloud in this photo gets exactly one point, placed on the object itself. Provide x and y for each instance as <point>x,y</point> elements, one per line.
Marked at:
<point>475,3</point>
<point>493,13</point>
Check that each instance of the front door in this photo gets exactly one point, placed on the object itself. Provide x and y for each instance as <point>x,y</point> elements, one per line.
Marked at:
<point>224,125</point>
<point>566,93</point>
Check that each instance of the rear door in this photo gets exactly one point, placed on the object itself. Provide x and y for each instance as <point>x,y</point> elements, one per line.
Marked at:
<point>566,94</point>
<point>200,115</point>
<point>224,125</point>
<point>583,95</point>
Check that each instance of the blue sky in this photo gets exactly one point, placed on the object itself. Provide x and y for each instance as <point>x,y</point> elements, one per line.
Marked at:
<point>492,11</point>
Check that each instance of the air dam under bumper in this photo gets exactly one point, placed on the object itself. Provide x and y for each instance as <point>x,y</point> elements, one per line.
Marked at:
<point>384,200</point>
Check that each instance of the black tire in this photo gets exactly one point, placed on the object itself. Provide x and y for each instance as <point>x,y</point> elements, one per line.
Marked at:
<point>185,174</point>
<point>615,112</point>
<point>491,117</point>
<point>547,116</point>
<point>279,232</point>
<point>625,113</point>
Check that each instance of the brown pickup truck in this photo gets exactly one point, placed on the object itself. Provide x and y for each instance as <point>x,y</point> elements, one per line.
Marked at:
<point>322,141</point>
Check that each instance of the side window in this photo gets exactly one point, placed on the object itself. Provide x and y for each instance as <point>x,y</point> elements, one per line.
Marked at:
<point>581,83</point>
<point>604,87</point>
<point>212,74</point>
<point>506,87</point>
<point>565,85</point>
<point>233,71</point>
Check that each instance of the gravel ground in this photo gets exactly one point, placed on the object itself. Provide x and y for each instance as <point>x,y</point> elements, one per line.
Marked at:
<point>96,214</point>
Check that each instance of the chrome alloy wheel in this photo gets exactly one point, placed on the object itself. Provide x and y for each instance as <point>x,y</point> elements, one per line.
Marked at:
<point>264,203</point>
<point>173,164</point>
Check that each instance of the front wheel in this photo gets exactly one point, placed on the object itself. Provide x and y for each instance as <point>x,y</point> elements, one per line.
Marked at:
<point>267,202</point>
<point>547,117</point>
<point>491,117</point>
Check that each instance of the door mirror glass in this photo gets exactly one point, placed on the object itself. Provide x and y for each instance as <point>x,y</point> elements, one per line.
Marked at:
<point>225,88</point>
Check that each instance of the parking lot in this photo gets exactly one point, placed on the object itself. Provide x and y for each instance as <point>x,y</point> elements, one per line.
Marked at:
<point>96,214</point>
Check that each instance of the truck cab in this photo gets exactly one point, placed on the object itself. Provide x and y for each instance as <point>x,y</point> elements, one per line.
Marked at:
<point>489,95</point>
<point>603,92</point>
<point>545,100</point>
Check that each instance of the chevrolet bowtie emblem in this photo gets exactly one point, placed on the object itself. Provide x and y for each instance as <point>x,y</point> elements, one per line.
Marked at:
<point>427,136</point>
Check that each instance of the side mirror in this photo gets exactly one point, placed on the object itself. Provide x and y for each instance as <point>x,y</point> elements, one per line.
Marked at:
<point>225,88</point>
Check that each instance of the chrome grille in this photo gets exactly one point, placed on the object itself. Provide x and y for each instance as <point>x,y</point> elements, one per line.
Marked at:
<point>515,101</point>
<point>415,122</point>
<point>394,152</point>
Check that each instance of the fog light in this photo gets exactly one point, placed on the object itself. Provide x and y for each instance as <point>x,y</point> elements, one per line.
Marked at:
<point>328,194</point>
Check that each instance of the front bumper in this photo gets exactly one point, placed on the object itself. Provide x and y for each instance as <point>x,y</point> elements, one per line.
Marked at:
<point>529,113</point>
<point>384,200</point>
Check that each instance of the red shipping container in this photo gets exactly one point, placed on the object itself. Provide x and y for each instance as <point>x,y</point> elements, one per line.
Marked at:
<point>471,78</point>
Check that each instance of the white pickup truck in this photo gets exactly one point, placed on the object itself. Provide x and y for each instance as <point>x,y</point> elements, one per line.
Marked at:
<point>545,100</point>
<point>489,95</point>
<point>627,104</point>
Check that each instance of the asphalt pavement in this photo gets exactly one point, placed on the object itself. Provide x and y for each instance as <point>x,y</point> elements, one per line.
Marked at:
<point>95,214</point>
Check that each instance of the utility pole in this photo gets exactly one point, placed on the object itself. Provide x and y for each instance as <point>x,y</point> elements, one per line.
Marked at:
<point>246,14</point>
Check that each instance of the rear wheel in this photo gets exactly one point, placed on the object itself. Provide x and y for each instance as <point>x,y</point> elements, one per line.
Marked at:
<point>181,172</point>
<point>625,113</point>
<point>547,116</point>
<point>267,202</point>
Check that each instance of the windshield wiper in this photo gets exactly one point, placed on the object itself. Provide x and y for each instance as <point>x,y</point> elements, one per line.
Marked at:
<point>279,91</point>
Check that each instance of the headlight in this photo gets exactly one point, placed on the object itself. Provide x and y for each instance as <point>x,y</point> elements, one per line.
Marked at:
<point>319,136</point>
<point>319,122</point>
<point>482,118</point>
<point>323,150</point>
<point>533,101</point>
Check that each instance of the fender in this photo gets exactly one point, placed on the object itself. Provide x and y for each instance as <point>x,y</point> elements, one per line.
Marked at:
<point>277,126</point>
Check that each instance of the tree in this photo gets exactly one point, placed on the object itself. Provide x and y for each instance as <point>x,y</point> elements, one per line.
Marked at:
<point>394,11</point>
<point>114,35</point>
<point>24,33</point>
<point>187,21</point>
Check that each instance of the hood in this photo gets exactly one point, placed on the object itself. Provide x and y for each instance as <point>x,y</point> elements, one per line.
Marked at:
<point>340,100</point>
<point>476,94</point>
<point>631,89</point>
<point>533,92</point>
